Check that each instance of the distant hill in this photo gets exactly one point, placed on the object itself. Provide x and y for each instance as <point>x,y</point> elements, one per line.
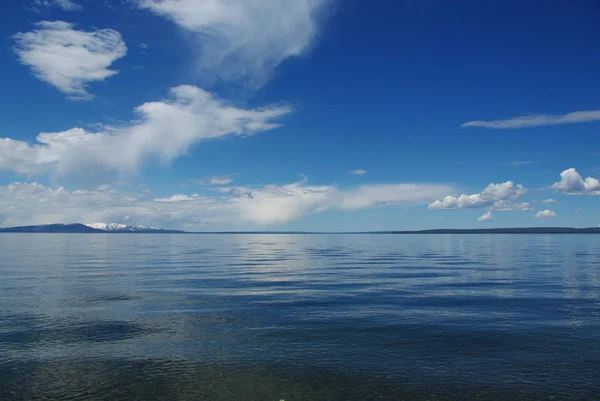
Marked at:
<point>51,228</point>
<point>523,230</point>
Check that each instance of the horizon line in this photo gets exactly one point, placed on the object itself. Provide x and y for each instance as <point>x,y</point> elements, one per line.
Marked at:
<point>492,230</point>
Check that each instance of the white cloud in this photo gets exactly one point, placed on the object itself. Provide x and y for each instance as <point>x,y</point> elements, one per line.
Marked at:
<point>22,204</point>
<point>65,5</point>
<point>536,120</point>
<point>241,39</point>
<point>489,216</point>
<point>164,130</point>
<point>545,213</point>
<point>216,180</point>
<point>572,183</point>
<point>384,194</point>
<point>506,205</point>
<point>358,172</point>
<point>548,201</point>
<point>497,195</point>
<point>277,204</point>
<point>69,59</point>
<point>178,198</point>
<point>220,180</point>
<point>517,163</point>
<point>68,5</point>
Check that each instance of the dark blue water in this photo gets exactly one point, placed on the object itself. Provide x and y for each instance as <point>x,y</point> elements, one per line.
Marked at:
<point>299,317</point>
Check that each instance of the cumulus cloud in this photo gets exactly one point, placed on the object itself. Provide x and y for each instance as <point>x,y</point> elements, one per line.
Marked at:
<point>358,172</point>
<point>69,59</point>
<point>495,195</point>
<point>241,39</point>
<point>548,201</point>
<point>164,130</point>
<point>489,216</point>
<point>545,213</point>
<point>22,204</point>
<point>536,120</point>
<point>572,183</point>
<point>65,5</point>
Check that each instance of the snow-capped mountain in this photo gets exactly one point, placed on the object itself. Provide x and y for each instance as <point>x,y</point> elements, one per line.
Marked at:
<point>116,227</point>
<point>95,228</point>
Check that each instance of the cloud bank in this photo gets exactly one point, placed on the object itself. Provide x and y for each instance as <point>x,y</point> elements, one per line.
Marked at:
<point>22,204</point>
<point>537,120</point>
<point>241,39</point>
<point>69,59</point>
<point>164,130</point>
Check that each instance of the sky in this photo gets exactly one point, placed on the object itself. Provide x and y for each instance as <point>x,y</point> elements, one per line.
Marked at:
<point>303,115</point>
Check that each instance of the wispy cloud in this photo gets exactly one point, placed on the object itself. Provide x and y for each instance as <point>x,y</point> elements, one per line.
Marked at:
<point>572,183</point>
<point>68,5</point>
<point>164,130</point>
<point>517,163</point>
<point>545,213</point>
<point>489,216</point>
<point>358,172</point>
<point>536,120</point>
<point>509,206</point>
<point>65,5</point>
<point>548,201</point>
<point>69,59</point>
<point>216,179</point>
<point>241,39</point>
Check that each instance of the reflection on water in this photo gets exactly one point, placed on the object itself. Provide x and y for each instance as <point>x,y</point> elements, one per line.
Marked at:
<point>299,317</point>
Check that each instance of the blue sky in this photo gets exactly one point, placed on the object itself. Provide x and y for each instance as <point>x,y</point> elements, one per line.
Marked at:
<point>236,115</point>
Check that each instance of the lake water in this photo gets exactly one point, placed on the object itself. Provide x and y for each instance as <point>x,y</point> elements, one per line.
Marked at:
<point>299,317</point>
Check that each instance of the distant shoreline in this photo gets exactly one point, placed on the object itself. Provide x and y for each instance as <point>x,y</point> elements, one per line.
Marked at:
<point>82,229</point>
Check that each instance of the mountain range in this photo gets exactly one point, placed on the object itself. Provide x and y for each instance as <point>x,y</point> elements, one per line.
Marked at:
<point>95,228</point>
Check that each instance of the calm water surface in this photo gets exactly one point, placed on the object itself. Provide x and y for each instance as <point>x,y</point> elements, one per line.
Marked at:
<point>299,317</point>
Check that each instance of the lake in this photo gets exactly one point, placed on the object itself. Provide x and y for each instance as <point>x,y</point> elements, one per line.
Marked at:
<point>299,317</point>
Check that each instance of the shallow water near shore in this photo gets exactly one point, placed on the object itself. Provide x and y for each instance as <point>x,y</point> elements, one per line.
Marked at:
<point>299,317</point>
